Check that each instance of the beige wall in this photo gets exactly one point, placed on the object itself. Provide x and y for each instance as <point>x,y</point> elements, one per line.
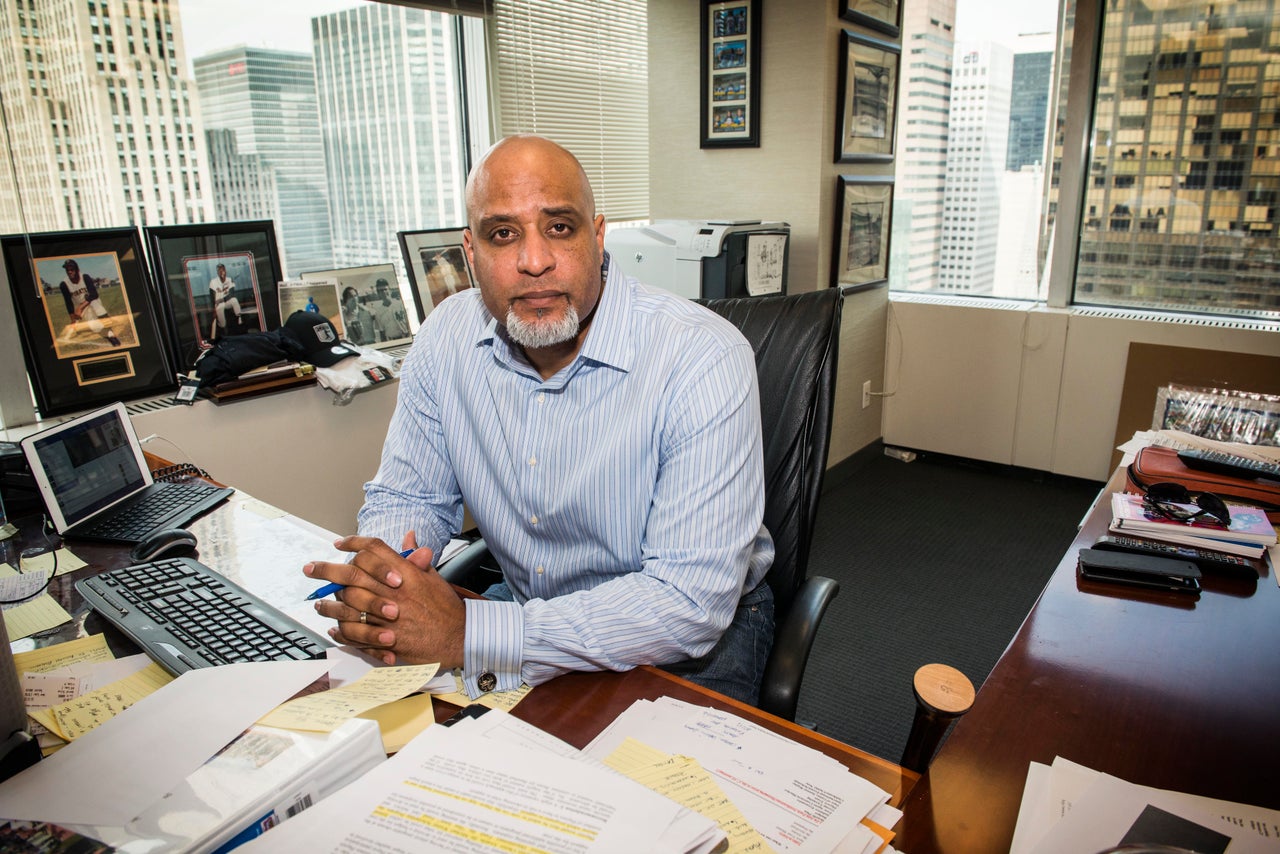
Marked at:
<point>790,177</point>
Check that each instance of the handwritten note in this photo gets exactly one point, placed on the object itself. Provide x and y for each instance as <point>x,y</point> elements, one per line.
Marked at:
<point>15,590</point>
<point>82,714</point>
<point>44,562</point>
<point>91,649</point>
<point>325,711</point>
<point>686,782</point>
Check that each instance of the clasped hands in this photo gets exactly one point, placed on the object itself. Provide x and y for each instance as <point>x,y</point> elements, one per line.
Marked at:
<point>396,608</point>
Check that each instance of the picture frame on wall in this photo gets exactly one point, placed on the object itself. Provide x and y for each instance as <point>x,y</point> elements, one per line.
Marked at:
<point>93,331</point>
<point>864,214</point>
<point>216,280</point>
<point>372,310</point>
<point>437,265</point>
<point>884,16</point>
<point>868,98</point>
<point>730,66</point>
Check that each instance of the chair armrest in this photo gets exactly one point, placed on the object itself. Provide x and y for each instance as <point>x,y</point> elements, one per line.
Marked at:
<point>792,640</point>
<point>467,568</point>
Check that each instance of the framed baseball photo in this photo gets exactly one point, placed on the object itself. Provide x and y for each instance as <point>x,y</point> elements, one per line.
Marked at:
<point>730,66</point>
<point>868,98</point>
<point>437,266</point>
<point>371,308</point>
<point>216,280</point>
<point>92,329</point>
<point>882,15</point>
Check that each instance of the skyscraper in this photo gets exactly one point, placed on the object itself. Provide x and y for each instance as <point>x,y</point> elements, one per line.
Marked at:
<point>921,150</point>
<point>267,99</point>
<point>1028,108</point>
<point>1182,207</point>
<point>102,125</point>
<point>980,87</point>
<point>388,84</point>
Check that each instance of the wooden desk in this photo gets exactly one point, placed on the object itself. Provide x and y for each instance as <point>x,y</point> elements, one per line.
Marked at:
<point>575,707</point>
<point>1156,688</point>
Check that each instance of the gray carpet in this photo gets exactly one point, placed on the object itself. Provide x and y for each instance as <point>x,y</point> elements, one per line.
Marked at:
<point>939,560</point>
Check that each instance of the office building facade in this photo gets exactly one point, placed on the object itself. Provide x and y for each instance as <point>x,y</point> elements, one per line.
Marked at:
<point>388,86</point>
<point>267,100</point>
<point>1183,200</point>
<point>981,81</point>
<point>1029,108</point>
<point>103,125</point>
<point>924,101</point>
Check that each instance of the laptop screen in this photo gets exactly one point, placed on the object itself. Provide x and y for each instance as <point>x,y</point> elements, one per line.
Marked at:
<point>89,463</point>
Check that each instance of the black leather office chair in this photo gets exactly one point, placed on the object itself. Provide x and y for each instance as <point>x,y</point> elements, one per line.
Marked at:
<point>795,338</point>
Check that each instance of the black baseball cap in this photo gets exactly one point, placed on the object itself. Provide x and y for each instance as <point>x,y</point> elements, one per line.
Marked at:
<point>321,344</point>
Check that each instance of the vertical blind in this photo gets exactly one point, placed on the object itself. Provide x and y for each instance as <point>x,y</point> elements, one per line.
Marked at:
<point>576,71</point>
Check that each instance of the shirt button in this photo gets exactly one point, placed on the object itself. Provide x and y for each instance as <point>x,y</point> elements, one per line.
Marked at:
<point>539,570</point>
<point>487,682</point>
<point>542,398</point>
<point>533,520</point>
<point>533,461</point>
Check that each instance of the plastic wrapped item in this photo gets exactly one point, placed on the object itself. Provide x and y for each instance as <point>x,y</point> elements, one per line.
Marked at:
<point>356,373</point>
<point>1226,415</point>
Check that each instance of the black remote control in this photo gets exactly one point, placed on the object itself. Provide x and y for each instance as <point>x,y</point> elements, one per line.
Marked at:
<point>1229,464</point>
<point>1206,559</point>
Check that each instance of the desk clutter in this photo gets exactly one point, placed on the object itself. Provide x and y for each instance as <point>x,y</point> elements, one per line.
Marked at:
<point>216,758</point>
<point>1068,808</point>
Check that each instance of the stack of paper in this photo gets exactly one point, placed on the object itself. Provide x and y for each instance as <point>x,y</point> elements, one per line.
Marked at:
<point>796,798</point>
<point>1068,808</point>
<point>493,783</point>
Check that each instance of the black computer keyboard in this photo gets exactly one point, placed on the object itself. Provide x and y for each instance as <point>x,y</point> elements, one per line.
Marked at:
<point>165,505</point>
<point>1221,462</point>
<point>184,615</point>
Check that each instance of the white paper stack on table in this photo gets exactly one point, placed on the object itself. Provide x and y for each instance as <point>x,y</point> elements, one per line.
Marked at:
<point>493,783</point>
<point>796,798</point>
<point>1068,808</point>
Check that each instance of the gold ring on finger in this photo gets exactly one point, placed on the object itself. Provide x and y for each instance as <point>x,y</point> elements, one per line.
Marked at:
<point>364,616</point>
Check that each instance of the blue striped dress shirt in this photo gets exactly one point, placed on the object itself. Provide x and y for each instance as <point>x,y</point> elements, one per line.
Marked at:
<point>623,497</point>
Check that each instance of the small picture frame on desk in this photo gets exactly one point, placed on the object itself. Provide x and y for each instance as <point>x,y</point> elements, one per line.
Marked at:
<point>372,309</point>
<point>437,265</point>
<point>730,66</point>
<point>92,328</point>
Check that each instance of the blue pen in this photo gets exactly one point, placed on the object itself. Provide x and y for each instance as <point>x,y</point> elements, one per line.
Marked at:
<point>334,587</point>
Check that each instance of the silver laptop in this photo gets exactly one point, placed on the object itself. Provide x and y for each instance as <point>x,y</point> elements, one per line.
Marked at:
<point>95,483</point>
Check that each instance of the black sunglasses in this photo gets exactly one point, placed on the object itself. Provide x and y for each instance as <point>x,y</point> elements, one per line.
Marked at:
<point>1165,498</point>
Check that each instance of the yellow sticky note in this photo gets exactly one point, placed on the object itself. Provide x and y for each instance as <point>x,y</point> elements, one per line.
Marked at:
<point>91,649</point>
<point>399,721</point>
<point>38,615</point>
<point>502,700</point>
<point>325,711</point>
<point>66,562</point>
<point>82,714</point>
<point>686,782</point>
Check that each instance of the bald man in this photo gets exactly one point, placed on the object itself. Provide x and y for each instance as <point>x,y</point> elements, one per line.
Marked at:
<point>605,437</point>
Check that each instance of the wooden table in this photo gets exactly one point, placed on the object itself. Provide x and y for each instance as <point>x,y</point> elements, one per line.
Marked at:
<point>1159,689</point>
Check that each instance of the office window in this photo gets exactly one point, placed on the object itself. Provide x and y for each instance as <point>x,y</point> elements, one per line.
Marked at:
<point>325,120</point>
<point>1180,160</point>
<point>1201,164</point>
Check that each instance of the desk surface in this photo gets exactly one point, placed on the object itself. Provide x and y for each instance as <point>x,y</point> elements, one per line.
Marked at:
<point>575,707</point>
<point>1156,688</point>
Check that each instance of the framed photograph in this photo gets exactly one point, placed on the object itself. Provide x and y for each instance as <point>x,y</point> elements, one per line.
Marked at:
<point>882,15</point>
<point>437,266</point>
<point>863,217</point>
<point>371,308</point>
<point>93,331</point>
<point>319,296</point>
<point>730,74</point>
<point>868,98</point>
<point>216,280</point>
